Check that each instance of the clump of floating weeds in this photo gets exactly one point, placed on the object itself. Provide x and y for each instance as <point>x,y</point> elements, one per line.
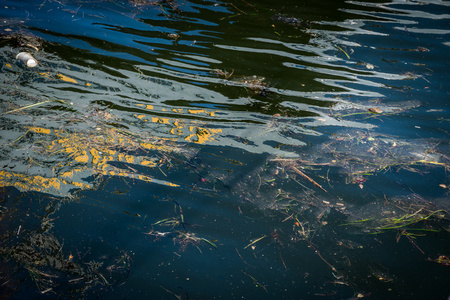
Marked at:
<point>178,231</point>
<point>188,238</point>
<point>301,190</point>
<point>256,84</point>
<point>182,238</point>
<point>409,218</point>
<point>404,215</point>
<point>364,154</point>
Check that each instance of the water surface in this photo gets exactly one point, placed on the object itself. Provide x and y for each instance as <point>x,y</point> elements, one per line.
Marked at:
<point>222,150</point>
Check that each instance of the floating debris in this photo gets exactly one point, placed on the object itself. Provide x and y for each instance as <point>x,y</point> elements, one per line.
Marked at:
<point>173,36</point>
<point>375,110</point>
<point>27,59</point>
<point>442,260</point>
<point>254,241</point>
<point>423,49</point>
<point>254,83</point>
<point>291,21</point>
<point>22,39</point>
<point>222,73</point>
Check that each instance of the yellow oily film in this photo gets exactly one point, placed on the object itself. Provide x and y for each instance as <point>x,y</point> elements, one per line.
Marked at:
<point>190,133</point>
<point>88,153</point>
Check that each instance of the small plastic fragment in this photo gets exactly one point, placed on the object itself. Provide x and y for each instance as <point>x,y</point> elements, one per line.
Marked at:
<point>27,59</point>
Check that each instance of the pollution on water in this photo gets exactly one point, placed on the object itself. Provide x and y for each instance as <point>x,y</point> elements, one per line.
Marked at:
<point>205,149</point>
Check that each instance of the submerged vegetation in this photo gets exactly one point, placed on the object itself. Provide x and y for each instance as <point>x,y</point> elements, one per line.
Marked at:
<point>54,268</point>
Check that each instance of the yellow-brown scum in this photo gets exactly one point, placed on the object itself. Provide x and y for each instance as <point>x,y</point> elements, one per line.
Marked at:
<point>73,156</point>
<point>190,133</point>
<point>89,152</point>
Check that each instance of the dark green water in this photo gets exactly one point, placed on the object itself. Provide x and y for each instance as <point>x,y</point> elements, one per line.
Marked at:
<point>225,150</point>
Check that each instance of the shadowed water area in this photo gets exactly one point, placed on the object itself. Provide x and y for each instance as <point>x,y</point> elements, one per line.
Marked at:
<point>225,150</point>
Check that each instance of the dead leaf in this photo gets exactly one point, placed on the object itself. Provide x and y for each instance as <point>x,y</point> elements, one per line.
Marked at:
<point>375,110</point>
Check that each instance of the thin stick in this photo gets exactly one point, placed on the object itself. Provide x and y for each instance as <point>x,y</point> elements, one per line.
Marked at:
<point>170,292</point>
<point>342,51</point>
<point>255,241</point>
<point>308,178</point>
<point>256,282</point>
<point>282,260</point>
<point>332,268</point>
<point>287,218</point>
<point>321,257</point>
<point>259,182</point>
<point>28,106</point>
<point>243,259</point>
<point>238,8</point>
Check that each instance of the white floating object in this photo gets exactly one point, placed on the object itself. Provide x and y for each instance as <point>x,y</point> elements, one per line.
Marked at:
<point>27,59</point>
